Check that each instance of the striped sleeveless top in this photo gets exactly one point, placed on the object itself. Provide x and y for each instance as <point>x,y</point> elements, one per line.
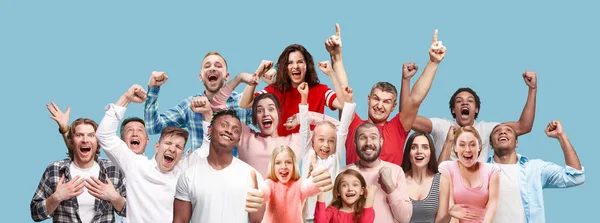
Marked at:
<point>424,211</point>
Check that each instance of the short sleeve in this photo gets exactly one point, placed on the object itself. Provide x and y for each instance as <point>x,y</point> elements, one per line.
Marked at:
<point>439,127</point>
<point>487,129</point>
<point>444,168</point>
<point>182,189</point>
<point>268,89</point>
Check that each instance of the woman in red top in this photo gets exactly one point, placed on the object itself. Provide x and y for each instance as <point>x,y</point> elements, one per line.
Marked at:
<point>294,66</point>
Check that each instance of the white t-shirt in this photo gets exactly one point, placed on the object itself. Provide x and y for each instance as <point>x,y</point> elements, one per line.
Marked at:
<point>85,200</point>
<point>217,195</point>
<point>439,131</point>
<point>510,205</point>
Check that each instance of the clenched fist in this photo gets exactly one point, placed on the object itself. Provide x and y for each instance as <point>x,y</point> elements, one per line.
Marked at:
<point>157,79</point>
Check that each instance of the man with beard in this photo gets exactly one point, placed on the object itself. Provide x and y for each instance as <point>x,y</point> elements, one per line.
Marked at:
<point>214,190</point>
<point>522,179</point>
<point>393,205</point>
<point>151,183</point>
<point>214,74</point>
<point>464,106</point>
<point>61,194</point>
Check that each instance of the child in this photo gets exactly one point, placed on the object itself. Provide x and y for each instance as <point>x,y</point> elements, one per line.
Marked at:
<point>350,203</point>
<point>327,143</point>
<point>284,191</point>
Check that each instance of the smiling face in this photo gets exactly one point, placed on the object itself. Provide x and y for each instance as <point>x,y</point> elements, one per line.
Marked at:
<point>225,131</point>
<point>368,143</point>
<point>381,104</point>
<point>467,148</point>
<point>214,72</point>
<point>324,140</point>
<point>134,135</point>
<point>85,145</point>
<point>284,166</point>
<point>267,116</point>
<point>350,189</point>
<point>504,137</point>
<point>296,68</point>
<point>465,108</point>
<point>420,152</point>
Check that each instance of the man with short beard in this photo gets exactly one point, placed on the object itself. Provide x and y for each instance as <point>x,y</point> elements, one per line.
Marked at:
<point>151,183</point>
<point>393,204</point>
<point>61,194</point>
<point>214,74</point>
<point>522,179</point>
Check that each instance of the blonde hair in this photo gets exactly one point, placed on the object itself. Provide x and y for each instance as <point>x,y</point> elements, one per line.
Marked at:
<point>332,126</point>
<point>271,175</point>
<point>472,130</point>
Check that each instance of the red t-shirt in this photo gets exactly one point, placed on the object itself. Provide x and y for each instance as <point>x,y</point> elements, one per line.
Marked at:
<point>319,96</point>
<point>393,135</point>
<point>332,214</point>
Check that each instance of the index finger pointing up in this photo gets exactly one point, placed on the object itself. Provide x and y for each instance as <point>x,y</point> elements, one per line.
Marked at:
<point>337,30</point>
<point>435,33</point>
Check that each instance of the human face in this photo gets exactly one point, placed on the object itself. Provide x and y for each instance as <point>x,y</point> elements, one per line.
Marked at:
<point>85,145</point>
<point>381,104</point>
<point>284,167</point>
<point>504,138</point>
<point>467,148</point>
<point>226,132</point>
<point>369,144</point>
<point>350,189</point>
<point>420,153</point>
<point>134,135</point>
<point>296,68</point>
<point>169,151</point>
<point>323,141</point>
<point>465,109</point>
<point>214,73</point>
<point>267,117</point>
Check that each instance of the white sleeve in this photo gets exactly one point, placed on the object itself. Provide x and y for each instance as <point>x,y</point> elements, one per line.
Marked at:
<point>182,191</point>
<point>116,150</point>
<point>342,134</point>
<point>304,129</point>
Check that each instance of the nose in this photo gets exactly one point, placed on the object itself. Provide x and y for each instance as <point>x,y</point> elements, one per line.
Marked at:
<point>295,65</point>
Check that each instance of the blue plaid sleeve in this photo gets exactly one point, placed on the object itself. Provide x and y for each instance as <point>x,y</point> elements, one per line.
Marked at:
<point>156,121</point>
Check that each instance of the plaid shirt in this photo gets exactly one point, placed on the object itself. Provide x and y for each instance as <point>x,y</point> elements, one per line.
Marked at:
<point>67,211</point>
<point>183,117</point>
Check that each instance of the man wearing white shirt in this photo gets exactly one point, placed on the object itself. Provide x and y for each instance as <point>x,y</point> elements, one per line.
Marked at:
<point>151,183</point>
<point>214,190</point>
<point>464,106</point>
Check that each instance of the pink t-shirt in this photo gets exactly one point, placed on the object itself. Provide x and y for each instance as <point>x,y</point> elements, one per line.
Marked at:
<point>286,201</point>
<point>393,207</point>
<point>474,196</point>
<point>334,215</point>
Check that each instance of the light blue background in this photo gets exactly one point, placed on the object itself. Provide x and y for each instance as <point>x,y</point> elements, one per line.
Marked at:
<point>86,54</point>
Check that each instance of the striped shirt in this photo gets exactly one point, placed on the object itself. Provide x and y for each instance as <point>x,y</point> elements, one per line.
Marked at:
<point>183,117</point>
<point>424,211</point>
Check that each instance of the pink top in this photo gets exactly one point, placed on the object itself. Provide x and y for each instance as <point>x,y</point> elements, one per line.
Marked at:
<point>474,196</point>
<point>333,215</point>
<point>393,207</point>
<point>255,149</point>
<point>285,201</point>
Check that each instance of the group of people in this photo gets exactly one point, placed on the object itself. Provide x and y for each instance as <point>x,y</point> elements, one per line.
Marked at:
<point>273,156</point>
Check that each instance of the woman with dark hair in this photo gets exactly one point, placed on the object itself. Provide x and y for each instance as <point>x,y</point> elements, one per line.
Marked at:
<point>422,177</point>
<point>294,66</point>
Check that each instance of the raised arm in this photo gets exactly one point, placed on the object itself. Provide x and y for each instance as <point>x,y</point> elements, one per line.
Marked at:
<point>555,176</point>
<point>62,119</point>
<point>448,145</point>
<point>156,121</point>
<point>342,129</point>
<point>248,95</point>
<point>219,100</point>
<point>525,123</point>
<point>304,128</point>
<point>338,75</point>
<point>396,193</point>
<point>410,106</point>
<point>116,150</point>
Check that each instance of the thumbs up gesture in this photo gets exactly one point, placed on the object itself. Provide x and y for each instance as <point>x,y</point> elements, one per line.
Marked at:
<point>320,176</point>
<point>437,51</point>
<point>254,197</point>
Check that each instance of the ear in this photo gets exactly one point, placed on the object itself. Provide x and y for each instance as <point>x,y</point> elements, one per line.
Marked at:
<point>476,110</point>
<point>200,77</point>
<point>209,130</point>
<point>156,148</point>
<point>227,76</point>
<point>516,144</point>
<point>381,142</point>
<point>362,191</point>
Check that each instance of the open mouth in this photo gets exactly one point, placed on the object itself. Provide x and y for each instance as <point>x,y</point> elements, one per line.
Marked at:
<point>134,142</point>
<point>284,173</point>
<point>168,158</point>
<point>267,123</point>
<point>468,157</point>
<point>324,151</point>
<point>227,137</point>
<point>213,75</point>
<point>464,111</point>
<point>503,139</point>
<point>85,150</point>
<point>296,74</point>
<point>419,158</point>
<point>368,151</point>
<point>350,194</point>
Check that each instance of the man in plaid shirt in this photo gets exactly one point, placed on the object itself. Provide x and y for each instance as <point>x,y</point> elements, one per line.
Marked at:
<point>214,74</point>
<point>61,194</point>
